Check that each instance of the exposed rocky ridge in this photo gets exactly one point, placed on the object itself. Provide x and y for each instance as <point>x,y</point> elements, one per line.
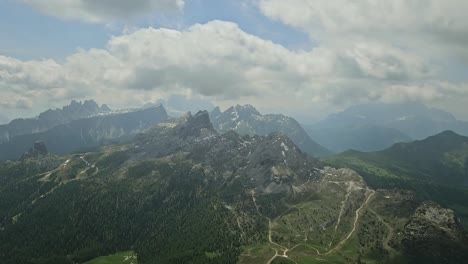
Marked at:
<point>435,235</point>
<point>246,120</point>
<point>271,163</point>
<point>50,118</point>
<point>430,216</point>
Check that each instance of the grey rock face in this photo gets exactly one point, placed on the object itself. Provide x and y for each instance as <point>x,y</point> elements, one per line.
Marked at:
<point>430,217</point>
<point>49,119</point>
<point>246,120</point>
<point>269,164</point>
<point>194,125</point>
<point>434,235</point>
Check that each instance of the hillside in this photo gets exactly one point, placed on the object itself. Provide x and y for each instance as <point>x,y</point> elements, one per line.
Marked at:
<point>442,159</point>
<point>437,168</point>
<point>184,193</point>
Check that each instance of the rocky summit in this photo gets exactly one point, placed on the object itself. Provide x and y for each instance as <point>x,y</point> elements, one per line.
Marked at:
<point>268,163</point>
<point>246,120</point>
<point>51,118</point>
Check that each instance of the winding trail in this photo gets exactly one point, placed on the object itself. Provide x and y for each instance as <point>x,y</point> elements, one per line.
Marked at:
<point>62,166</point>
<point>88,166</point>
<point>385,243</point>
<point>85,161</point>
<point>356,220</point>
<point>342,242</point>
<point>286,250</point>
<point>270,227</point>
<point>273,258</point>
<point>343,204</point>
<point>270,233</point>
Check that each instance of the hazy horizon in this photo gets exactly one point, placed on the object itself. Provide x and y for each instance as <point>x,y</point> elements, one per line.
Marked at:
<point>303,117</point>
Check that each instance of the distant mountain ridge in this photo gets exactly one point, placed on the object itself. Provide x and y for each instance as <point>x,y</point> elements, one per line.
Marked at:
<point>246,120</point>
<point>372,127</point>
<point>363,138</point>
<point>84,133</point>
<point>51,118</point>
<point>178,105</point>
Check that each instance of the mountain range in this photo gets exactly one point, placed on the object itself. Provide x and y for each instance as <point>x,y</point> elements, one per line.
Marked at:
<point>246,120</point>
<point>374,127</point>
<point>75,127</point>
<point>51,118</point>
<point>182,192</point>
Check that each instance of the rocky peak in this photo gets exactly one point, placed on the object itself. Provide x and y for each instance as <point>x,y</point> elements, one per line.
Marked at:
<point>195,125</point>
<point>246,110</point>
<point>39,149</point>
<point>215,112</point>
<point>77,110</point>
<point>239,112</point>
<point>282,148</point>
<point>246,120</point>
<point>91,105</point>
<point>105,108</point>
<point>430,219</point>
<point>439,216</point>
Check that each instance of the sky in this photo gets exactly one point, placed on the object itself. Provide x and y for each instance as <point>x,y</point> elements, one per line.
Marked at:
<point>298,57</point>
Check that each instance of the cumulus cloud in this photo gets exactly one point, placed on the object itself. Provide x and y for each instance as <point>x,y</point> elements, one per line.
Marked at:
<point>220,61</point>
<point>424,25</point>
<point>98,11</point>
<point>401,44</point>
<point>443,16</point>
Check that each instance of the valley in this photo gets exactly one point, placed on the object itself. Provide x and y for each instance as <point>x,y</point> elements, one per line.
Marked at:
<point>184,193</point>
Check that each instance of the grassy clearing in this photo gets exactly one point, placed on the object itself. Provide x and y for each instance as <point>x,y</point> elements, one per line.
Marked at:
<point>256,254</point>
<point>127,257</point>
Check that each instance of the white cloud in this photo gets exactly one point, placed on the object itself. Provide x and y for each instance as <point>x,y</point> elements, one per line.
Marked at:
<point>426,25</point>
<point>401,44</point>
<point>220,61</point>
<point>447,16</point>
<point>101,11</point>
